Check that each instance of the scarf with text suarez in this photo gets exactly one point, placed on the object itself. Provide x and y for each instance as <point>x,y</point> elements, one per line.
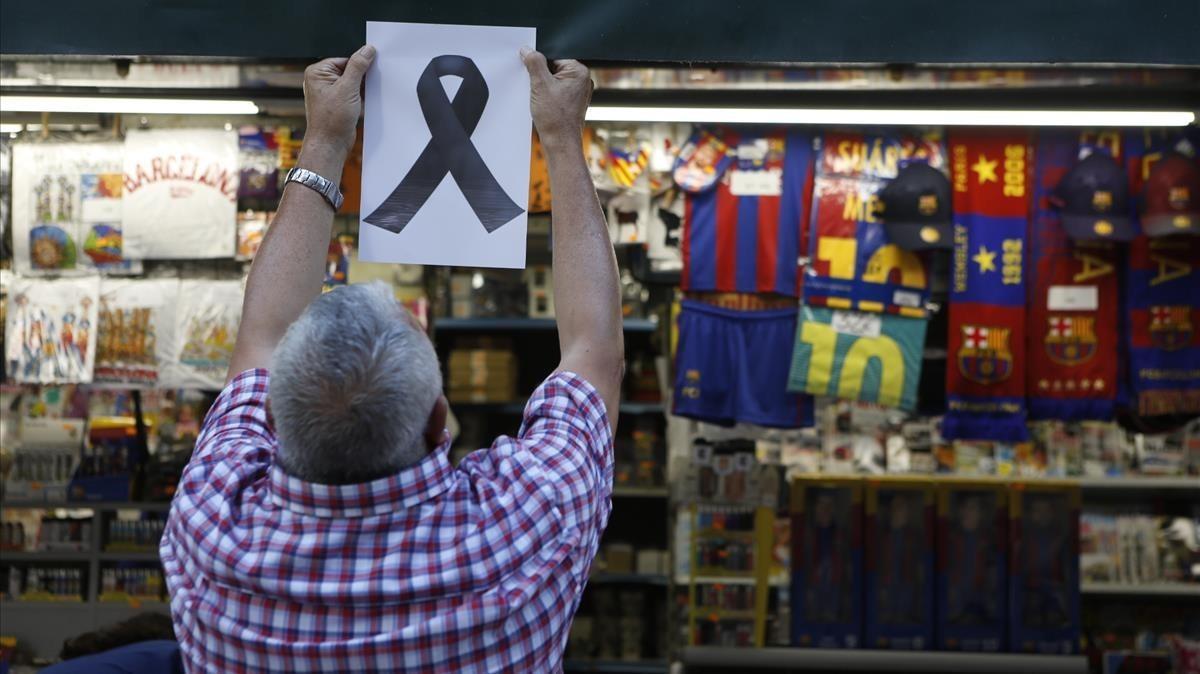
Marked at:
<point>985,382</point>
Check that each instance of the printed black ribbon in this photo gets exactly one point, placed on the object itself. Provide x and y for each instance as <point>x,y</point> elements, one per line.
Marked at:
<point>449,151</point>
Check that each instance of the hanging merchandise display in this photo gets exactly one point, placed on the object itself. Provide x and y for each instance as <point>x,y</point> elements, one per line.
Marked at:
<point>136,332</point>
<point>258,161</point>
<point>1072,364</point>
<point>67,209</point>
<point>745,234</point>
<point>731,363</point>
<point>251,228</point>
<point>1162,305</point>
<point>985,382</point>
<point>665,231</point>
<point>206,324</point>
<point>50,330</point>
<point>181,188</point>
<point>874,358</point>
<point>852,263</point>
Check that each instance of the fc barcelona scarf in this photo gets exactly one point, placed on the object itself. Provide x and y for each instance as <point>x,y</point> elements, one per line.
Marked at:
<point>1162,300</point>
<point>1073,308</point>
<point>985,381</point>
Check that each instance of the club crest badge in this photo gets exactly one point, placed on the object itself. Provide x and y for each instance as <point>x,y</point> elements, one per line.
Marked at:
<point>985,356</point>
<point>1071,340</point>
<point>1170,327</point>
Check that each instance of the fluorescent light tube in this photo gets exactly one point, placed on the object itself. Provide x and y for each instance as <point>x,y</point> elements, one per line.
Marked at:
<point>891,117</point>
<point>10,128</point>
<point>128,105</point>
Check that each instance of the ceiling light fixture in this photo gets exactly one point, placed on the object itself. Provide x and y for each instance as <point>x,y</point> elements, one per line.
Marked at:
<point>127,105</point>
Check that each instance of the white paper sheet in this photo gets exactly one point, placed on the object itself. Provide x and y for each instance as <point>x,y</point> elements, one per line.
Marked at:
<point>445,230</point>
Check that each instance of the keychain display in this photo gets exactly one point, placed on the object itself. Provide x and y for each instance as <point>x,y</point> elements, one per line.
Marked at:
<point>136,329</point>
<point>50,330</point>
<point>206,322</point>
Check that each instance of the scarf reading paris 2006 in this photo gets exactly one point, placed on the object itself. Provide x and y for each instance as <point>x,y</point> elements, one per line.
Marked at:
<point>985,375</point>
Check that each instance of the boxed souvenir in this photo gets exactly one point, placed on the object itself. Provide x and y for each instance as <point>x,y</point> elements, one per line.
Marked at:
<point>898,563</point>
<point>827,557</point>
<point>972,568</point>
<point>1044,563</point>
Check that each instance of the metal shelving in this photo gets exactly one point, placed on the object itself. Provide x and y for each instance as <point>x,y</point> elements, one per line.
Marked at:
<point>1181,590</point>
<point>616,666</point>
<point>704,658</point>
<point>518,407</point>
<point>628,491</point>
<point>105,506</point>
<point>629,578</point>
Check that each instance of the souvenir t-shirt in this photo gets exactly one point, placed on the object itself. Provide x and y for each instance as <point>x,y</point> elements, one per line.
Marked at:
<point>206,325</point>
<point>50,330</point>
<point>744,235</point>
<point>852,265</point>
<point>136,334</point>
<point>873,358</point>
<point>67,209</point>
<point>181,189</point>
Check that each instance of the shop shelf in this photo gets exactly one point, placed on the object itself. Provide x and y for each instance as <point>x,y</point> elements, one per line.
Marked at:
<point>44,556</point>
<point>521,323</point>
<point>1173,486</point>
<point>630,491</point>
<point>628,578</point>
<point>147,556</point>
<point>816,659</point>
<point>1191,590</point>
<point>150,506</point>
<point>616,666</point>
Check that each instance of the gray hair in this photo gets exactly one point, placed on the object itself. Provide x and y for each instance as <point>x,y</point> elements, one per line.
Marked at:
<point>352,385</point>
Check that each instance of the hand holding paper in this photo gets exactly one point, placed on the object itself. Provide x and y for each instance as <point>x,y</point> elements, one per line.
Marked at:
<point>333,98</point>
<point>558,99</point>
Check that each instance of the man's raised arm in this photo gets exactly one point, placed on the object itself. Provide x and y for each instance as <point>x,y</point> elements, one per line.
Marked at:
<point>587,295</point>
<point>289,266</point>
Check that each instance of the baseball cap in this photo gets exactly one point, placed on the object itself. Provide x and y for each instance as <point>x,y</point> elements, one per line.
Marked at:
<point>1171,197</point>
<point>917,210</point>
<point>1094,200</point>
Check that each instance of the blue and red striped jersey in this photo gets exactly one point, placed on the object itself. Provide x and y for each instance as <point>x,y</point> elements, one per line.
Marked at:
<point>741,238</point>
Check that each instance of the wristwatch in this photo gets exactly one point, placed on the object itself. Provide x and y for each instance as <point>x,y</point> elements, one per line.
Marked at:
<point>324,187</point>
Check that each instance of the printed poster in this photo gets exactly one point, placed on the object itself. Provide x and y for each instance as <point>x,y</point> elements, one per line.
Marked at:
<point>50,330</point>
<point>181,188</point>
<point>136,331</point>
<point>206,325</point>
<point>446,146</point>
<point>67,209</point>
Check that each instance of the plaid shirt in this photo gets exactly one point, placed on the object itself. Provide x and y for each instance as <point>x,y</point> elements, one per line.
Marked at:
<point>436,568</point>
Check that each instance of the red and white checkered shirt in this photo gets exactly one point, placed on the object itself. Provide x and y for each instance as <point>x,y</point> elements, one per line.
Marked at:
<point>474,568</point>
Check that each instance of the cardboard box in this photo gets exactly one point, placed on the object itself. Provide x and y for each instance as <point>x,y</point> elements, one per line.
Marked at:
<point>972,566</point>
<point>1044,563</point>
<point>827,582</point>
<point>899,563</point>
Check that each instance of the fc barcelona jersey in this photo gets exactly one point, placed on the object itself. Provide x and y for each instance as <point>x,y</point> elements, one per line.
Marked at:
<point>744,234</point>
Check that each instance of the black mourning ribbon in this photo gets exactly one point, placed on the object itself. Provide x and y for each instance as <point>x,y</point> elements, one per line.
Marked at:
<point>450,150</point>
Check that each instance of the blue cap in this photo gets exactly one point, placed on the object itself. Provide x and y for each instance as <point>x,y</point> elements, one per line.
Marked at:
<point>1094,201</point>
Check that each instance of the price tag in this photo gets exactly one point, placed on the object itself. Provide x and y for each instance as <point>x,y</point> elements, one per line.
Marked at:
<point>906,298</point>
<point>1073,298</point>
<point>857,323</point>
<point>764,183</point>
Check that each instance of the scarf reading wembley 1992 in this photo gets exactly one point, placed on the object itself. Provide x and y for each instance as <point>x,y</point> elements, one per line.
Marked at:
<point>985,380</point>
<point>1072,365</point>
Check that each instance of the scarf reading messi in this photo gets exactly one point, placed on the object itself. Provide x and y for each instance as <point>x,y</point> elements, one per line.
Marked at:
<point>985,380</point>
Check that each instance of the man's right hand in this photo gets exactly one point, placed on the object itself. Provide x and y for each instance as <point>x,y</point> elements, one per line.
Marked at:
<point>558,98</point>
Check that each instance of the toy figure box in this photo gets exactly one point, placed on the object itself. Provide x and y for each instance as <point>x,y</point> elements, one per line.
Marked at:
<point>972,570</point>
<point>827,562</point>
<point>1044,559</point>
<point>899,570</point>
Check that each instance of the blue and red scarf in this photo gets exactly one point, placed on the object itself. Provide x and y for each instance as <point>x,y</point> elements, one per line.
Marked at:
<point>985,380</point>
<point>1162,300</point>
<point>1072,370</point>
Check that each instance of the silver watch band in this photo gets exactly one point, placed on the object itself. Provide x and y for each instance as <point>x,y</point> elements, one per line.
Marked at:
<point>326,188</point>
